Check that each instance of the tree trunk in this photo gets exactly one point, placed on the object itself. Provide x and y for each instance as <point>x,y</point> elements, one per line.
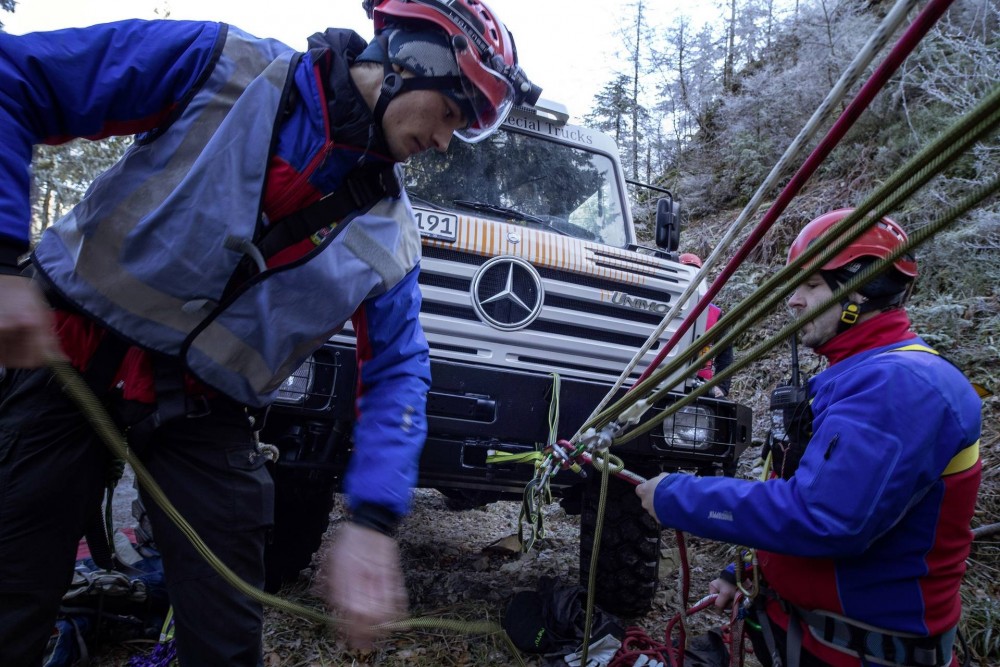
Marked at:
<point>635,91</point>
<point>728,75</point>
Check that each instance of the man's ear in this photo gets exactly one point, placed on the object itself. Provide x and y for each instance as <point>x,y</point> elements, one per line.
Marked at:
<point>856,297</point>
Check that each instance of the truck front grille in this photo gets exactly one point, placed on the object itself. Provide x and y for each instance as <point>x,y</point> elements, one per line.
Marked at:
<point>588,323</point>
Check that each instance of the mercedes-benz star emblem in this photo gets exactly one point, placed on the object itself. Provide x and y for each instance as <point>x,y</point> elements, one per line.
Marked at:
<point>507,293</point>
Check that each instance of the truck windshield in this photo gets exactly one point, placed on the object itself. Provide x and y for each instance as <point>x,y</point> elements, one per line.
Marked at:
<point>524,179</point>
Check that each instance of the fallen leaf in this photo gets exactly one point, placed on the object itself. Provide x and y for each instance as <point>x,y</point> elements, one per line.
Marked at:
<point>505,545</point>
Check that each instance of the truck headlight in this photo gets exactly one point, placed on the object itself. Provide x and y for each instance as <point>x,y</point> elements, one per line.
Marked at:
<point>691,427</point>
<point>297,386</point>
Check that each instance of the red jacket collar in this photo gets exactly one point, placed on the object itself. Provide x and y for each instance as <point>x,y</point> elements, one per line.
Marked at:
<point>883,329</point>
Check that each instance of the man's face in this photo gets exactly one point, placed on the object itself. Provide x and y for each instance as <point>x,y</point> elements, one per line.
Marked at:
<point>419,120</point>
<point>807,296</point>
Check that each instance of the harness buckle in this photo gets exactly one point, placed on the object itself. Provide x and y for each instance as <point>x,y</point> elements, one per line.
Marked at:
<point>850,314</point>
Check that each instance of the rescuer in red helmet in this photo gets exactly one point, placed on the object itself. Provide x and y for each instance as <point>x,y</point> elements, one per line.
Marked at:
<point>256,212</point>
<point>886,292</point>
<point>724,358</point>
<point>862,540</point>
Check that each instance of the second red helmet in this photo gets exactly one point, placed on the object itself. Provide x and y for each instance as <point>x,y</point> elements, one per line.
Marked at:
<point>879,240</point>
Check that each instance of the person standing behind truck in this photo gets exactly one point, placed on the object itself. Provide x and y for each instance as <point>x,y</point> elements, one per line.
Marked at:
<point>724,358</point>
<point>862,545</point>
<point>200,271</point>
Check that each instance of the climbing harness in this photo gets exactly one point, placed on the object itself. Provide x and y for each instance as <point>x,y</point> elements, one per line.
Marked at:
<point>874,645</point>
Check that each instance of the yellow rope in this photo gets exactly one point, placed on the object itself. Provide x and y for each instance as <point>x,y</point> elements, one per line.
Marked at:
<point>94,412</point>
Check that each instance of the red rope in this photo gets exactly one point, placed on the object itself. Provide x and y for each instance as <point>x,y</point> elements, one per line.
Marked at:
<point>914,33</point>
<point>685,596</point>
<point>637,642</point>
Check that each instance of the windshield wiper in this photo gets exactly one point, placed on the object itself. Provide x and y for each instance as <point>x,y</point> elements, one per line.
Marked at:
<point>417,200</point>
<point>505,211</point>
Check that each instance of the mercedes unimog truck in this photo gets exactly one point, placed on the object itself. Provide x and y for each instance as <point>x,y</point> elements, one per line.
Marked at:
<point>535,289</point>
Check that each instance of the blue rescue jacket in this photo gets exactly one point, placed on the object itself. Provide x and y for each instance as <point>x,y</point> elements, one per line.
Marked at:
<point>150,250</point>
<point>874,524</point>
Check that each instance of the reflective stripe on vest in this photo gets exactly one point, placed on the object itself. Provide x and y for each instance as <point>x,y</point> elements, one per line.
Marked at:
<point>318,293</point>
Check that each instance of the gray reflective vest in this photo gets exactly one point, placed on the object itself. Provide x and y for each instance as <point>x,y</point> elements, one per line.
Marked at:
<point>152,246</point>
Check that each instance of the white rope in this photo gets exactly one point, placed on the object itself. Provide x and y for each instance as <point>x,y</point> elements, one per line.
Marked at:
<point>889,25</point>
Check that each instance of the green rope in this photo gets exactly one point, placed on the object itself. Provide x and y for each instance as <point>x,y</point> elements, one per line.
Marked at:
<point>607,465</point>
<point>537,492</point>
<point>95,413</point>
<point>918,237</point>
<point>973,127</point>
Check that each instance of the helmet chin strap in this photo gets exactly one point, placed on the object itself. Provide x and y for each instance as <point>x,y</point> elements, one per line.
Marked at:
<point>851,312</point>
<point>392,84</point>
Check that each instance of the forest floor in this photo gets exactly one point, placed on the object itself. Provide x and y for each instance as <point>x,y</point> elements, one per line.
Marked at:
<point>460,565</point>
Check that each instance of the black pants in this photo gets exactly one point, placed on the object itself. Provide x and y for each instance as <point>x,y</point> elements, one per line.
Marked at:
<point>52,474</point>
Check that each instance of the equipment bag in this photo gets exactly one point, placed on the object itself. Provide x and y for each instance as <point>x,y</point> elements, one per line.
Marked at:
<point>108,606</point>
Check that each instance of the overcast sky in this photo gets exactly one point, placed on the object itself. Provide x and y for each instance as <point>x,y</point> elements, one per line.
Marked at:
<point>570,49</point>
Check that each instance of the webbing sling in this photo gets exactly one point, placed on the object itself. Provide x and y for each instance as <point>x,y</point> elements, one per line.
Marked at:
<point>875,644</point>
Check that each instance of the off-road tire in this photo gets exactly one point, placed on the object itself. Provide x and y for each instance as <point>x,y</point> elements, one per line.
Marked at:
<point>628,566</point>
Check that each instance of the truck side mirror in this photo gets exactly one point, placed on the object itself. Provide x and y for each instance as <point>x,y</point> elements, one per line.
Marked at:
<point>668,224</point>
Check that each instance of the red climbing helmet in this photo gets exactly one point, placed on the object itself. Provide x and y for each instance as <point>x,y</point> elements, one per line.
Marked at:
<point>483,48</point>
<point>879,240</point>
<point>690,259</point>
